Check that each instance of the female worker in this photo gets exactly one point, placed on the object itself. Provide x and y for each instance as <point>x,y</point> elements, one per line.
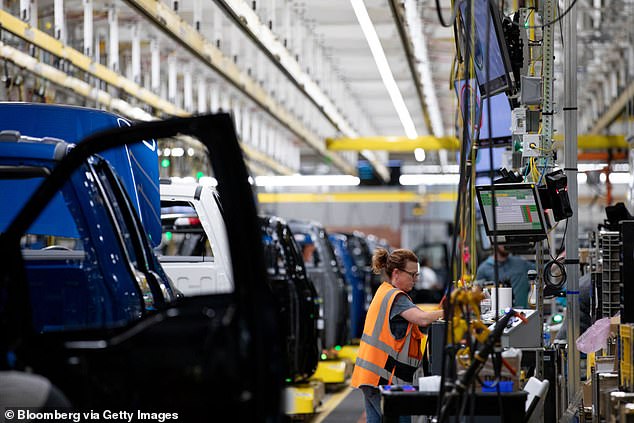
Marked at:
<point>389,351</point>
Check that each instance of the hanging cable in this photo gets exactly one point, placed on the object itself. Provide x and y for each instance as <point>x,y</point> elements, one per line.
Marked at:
<point>560,17</point>
<point>453,14</point>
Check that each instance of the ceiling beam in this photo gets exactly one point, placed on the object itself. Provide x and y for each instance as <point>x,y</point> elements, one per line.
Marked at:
<point>431,143</point>
<point>393,144</point>
<point>356,197</point>
<point>614,110</point>
<point>595,142</point>
<point>406,40</point>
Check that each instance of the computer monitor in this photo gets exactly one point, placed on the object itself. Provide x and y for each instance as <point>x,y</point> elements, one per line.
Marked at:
<point>518,212</point>
<point>482,30</point>
<point>469,96</point>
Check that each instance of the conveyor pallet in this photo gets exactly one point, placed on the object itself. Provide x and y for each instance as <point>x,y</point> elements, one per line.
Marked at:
<point>303,398</point>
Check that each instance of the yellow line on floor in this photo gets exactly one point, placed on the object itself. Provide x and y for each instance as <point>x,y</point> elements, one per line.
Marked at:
<point>331,404</point>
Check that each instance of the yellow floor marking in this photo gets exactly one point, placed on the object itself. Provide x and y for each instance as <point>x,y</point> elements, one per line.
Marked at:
<point>331,404</point>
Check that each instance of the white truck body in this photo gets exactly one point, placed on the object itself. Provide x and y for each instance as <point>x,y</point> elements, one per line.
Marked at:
<point>204,274</point>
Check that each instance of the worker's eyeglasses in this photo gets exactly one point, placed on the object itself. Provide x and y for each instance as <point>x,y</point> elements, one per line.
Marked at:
<point>414,275</point>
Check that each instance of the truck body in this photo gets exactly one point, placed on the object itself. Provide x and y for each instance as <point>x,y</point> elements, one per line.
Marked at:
<point>323,270</point>
<point>296,298</point>
<point>83,300</point>
<point>136,165</point>
<point>194,249</point>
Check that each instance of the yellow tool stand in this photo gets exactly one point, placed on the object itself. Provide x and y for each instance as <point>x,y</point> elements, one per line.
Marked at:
<point>349,352</point>
<point>303,398</point>
<point>333,371</point>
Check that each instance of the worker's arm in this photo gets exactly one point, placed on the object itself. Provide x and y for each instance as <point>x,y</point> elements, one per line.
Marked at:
<point>421,318</point>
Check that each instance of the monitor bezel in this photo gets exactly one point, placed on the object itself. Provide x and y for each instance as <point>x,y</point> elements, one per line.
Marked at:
<point>512,232</point>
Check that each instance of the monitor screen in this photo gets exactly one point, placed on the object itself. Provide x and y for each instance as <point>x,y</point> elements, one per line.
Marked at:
<point>468,97</point>
<point>482,31</point>
<point>517,209</point>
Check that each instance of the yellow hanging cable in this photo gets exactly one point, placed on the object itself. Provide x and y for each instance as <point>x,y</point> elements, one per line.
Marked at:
<point>473,103</point>
<point>472,226</point>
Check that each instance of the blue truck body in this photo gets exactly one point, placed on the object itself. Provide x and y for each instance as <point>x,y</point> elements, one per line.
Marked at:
<point>79,272</point>
<point>356,279</point>
<point>136,165</point>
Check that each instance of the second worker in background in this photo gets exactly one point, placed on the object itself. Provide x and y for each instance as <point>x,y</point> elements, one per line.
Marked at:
<point>512,268</point>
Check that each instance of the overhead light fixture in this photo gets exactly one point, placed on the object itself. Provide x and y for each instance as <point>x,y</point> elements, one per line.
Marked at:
<point>178,152</point>
<point>419,154</point>
<point>588,167</point>
<point>429,179</point>
<point>306,180</point>
<point>384,68</point>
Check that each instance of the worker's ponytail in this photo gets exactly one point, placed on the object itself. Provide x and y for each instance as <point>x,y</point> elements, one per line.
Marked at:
<point>379,260</point>
<point>397,259</point>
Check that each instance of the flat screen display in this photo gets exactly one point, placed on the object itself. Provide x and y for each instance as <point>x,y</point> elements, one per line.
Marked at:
<point>517,209</point>
<point>482,31</point>
<point>469,97</point>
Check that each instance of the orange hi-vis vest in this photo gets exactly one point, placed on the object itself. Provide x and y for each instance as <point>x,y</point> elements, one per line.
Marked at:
<point>383,359</point>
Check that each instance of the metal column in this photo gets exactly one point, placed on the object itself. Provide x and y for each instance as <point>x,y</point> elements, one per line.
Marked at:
<point>570,163</point>
<point>155,54</point>
<point>136,53</point>
<point>198,14</point>
<point>172,76</point>
<point>547,80</point>
<point>88,32</point>
<point>202,94</point>
<point>188,90</point>
<point>113,43</point>
<point>59,18</point>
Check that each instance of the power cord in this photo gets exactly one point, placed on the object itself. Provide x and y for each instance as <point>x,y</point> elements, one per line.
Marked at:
<point>453,15</point>
<point>560,17</point>
<point>550,279</point>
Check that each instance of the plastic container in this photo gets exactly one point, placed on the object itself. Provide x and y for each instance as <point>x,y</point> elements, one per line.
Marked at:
<point>505,386</point>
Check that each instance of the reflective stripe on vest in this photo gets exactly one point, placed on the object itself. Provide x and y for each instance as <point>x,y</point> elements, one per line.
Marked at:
<point>381,362</point>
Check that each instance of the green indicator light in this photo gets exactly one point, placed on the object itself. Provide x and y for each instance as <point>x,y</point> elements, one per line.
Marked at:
<point>199,175</point>
<point>288,380</point>
<point>558,318</point>
<point>324,356</point>
<point>337,347</point>
<point>168,236</point>
<point>165,163</point>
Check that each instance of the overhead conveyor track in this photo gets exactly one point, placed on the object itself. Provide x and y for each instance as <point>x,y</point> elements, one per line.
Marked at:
<point>85,90</point>
<point>186,36</point>
<point>170,23</point>
<point>400,20</point>
<point>248,21</point>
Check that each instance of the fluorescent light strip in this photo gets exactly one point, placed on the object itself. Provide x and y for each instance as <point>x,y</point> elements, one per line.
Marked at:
<point>384,68</point>
<point>425,169</point>
<point>588,167</point>
<point>306,180</point>
<point>430,179</point>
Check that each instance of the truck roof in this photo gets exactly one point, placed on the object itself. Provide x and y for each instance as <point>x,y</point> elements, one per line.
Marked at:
<point>16,146</point>
<point>183,189</point>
